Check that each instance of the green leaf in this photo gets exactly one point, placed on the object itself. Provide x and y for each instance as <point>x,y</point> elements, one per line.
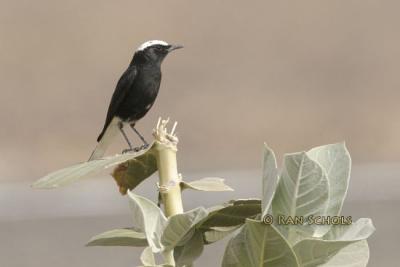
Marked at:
<point>313,252</point>
<point>149,219</point>
<point>336,161</point>
<point>215,234</point>
<point>147,257</point>
<point>187,254</point>
<point>131,173</point>
<point>237,251</point>
<point>270,179</point>
<point>359,230</point>
<point>119,237</point>
<point>233,214</point>
<point>207,184</point>
<point>82,170</point>
<point>353,255</point>
<point>258,244</point>
<point>302,190</point>
<point>181,227</point>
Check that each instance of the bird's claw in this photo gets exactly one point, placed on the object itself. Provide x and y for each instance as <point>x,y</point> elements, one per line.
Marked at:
<point>135,149</point>
<point>144,146</point>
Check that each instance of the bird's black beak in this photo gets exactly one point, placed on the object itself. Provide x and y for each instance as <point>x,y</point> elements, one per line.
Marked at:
<point>174,47</point>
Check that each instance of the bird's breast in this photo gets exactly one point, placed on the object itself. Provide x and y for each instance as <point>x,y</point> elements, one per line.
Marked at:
<point>141,96</point>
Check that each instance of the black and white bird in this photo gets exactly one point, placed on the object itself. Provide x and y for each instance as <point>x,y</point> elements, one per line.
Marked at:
<point>134,94</point>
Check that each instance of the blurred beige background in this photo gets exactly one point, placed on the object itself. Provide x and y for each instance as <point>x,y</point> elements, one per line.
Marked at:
<point>295,74</point>
<point>290,73</point>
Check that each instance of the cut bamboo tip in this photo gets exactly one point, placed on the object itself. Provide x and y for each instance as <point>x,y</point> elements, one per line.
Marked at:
<point>161,134</point>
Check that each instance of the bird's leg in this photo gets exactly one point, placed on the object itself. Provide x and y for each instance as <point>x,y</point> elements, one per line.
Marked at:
<point>121,126</point>
<point>145,144</point>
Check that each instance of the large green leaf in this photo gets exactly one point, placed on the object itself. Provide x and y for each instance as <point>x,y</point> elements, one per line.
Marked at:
<point>361,229</point>
<point>214,234</point>
<point>214,223</point>
<point>149,219</point>
<point>233,214</point>
<point>181,227</point>
<point>131,173</point>
<point>79,171</point>
<point>187,254</point>
<point>336,161</point>
<point>119,237</point>
<point>237,251</point>
<point>260,245</point>
<point>207,184</point>
<point>314,252</point>
<point>303,190</point>
<point>269,179</point>
<point>353,255</point>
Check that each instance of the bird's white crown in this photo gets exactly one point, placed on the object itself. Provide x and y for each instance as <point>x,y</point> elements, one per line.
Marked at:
<point>150,43</point>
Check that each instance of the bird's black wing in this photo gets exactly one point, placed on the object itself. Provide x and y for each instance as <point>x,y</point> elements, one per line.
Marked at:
<point>123,86</point>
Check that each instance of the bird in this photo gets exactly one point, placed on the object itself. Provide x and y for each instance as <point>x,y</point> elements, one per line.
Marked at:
<point>134,95</point>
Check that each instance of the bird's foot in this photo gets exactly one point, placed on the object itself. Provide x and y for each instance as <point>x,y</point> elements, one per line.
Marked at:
<point>144,146</point>
<point>135,149</point>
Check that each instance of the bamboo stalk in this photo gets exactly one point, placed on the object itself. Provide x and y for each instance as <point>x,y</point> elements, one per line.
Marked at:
<point>169,180</point>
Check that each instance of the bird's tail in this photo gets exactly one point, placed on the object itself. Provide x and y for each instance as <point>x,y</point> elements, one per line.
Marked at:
<point>106,139</point>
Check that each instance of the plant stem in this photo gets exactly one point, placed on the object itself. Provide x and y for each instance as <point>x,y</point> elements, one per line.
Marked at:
<point>169,182</point>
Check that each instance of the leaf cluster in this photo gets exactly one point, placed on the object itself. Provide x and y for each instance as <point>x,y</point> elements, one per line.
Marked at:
<point>310,183</point>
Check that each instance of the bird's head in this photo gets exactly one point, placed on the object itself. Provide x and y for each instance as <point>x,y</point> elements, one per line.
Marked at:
<point>155,51</point>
